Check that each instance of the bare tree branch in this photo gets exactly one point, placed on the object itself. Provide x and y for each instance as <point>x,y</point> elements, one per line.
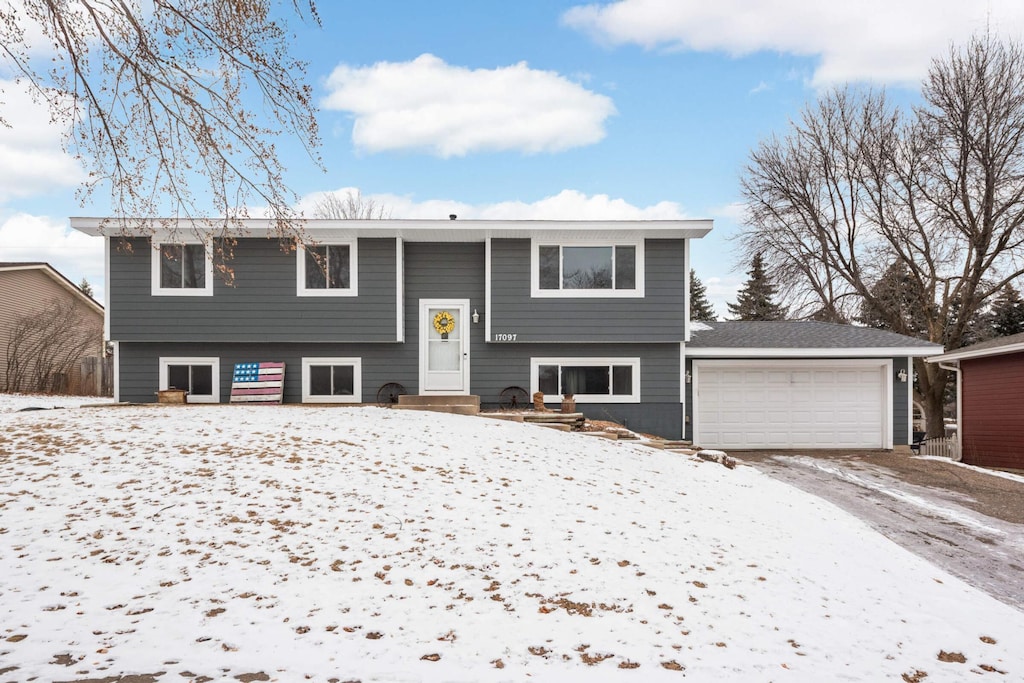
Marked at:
<point>857,188</point>
<point>159,102</point>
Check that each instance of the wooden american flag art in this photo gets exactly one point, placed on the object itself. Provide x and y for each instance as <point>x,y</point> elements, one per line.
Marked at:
<point>257,383</point>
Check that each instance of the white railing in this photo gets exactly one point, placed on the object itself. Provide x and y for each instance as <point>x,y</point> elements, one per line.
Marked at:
<point>942,446</point>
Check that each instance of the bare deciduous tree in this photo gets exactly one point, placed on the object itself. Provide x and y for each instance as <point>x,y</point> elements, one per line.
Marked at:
<point>856,186</point>
<point>159,97</point>
<point>45,347</point>
<point>353,206</point>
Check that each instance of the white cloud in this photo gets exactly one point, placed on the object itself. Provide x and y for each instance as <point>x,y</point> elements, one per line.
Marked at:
<point>760,87</point>
<point>566,205</point>
<point>721,292</point>
<point>38,238</point>
<point>33,159</point>
<point>885,41</point>
<point>447,110</point>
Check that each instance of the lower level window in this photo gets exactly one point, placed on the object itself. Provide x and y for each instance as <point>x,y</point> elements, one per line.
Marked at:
<point>590,380</point>
<point>331,380</point>
<point>200,377</point>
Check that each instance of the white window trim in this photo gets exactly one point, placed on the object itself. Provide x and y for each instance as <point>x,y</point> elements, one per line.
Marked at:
<point>634,397</point>
<point>193,360</point>
<point>157,290</point>
<point>537,292</point>
<point>357,380</point>
<point>353,269</point>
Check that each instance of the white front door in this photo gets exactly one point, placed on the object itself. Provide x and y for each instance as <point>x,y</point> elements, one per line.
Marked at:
<point>444,346</point>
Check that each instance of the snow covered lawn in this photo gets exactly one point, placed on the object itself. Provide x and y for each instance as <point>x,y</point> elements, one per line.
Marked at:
<point>375,545</point>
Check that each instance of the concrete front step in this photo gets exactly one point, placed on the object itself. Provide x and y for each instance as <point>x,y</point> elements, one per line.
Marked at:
<point>456,404</point>
<point>439,400</point>
<point>452,410</point>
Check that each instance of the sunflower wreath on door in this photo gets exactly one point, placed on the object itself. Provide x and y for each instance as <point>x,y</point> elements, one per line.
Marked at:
<point>444,323</point>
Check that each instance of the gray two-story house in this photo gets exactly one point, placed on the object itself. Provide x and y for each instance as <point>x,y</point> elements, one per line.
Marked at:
<point>596,309</point>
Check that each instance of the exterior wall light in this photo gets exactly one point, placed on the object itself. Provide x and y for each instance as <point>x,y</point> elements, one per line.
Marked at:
<point>476,317</point>
<point>688,377</point>
<point>902,374</point>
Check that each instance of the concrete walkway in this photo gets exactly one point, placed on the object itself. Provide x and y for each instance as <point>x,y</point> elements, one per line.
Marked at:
<point>968,522</point>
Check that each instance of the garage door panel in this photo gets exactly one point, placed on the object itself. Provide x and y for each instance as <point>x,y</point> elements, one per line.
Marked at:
<point>791,405</point>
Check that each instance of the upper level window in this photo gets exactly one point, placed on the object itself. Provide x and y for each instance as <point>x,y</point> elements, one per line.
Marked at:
<point>599,270</point>
<point>182,270</point>
<point>327,270</point>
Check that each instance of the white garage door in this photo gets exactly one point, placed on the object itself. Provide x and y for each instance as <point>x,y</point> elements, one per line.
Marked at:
<point>810,404</point>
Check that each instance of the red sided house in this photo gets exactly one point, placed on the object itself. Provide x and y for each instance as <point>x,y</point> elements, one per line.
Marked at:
<point>990,404</point>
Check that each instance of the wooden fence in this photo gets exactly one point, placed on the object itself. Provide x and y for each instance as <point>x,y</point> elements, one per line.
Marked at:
<point>97,376</point>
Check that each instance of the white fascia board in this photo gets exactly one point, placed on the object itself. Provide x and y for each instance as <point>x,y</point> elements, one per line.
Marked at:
<point>412,230</point>
<point>978,353</point>
<point>870,352</point>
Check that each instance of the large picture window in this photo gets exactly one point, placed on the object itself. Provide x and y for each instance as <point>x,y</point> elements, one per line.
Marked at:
<point>590,380</point>
<point>327,269</point>
<point>603,270</point>
<point>182,269</point>
<point>331,380</point>
<point>200,377</point>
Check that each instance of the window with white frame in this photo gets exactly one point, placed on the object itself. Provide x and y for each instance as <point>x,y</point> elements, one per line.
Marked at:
<point>332,380</point>
<point>200,377</point>
<point>182,269</point>
<point>327,269</point>
<point>612,269</point>
<point>589,380</point>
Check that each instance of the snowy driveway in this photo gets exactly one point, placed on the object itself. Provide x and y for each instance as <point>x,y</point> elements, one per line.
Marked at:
<point>965,520</point>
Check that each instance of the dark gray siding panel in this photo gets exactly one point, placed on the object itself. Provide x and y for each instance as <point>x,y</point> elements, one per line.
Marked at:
<point>657,317</point>
<point>381,363</point>
<point>494,367</point>
<point>900,402</point>
<point>261,306</point>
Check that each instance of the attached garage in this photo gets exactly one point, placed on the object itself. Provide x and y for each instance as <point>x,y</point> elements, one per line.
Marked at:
<point>798,384</point>
<point>779,404</point>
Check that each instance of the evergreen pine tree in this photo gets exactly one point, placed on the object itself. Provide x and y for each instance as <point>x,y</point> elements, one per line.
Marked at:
<point>86,288</point>
<point>756,299</point>
<point>700,307</point>
<point>1007,316</point>
<point>897,297</point>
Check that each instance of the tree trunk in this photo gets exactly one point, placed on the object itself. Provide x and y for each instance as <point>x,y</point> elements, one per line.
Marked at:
<point>931,383</point>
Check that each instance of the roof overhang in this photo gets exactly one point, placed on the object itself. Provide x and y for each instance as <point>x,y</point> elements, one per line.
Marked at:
<point>413,230</point>
<point>977,353</point>
<point>861,352</point>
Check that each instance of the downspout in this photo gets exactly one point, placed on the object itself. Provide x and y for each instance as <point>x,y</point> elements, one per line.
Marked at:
<point>955,367</point>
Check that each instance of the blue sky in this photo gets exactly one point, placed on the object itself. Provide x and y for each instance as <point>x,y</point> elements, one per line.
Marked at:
<point>628,109</point>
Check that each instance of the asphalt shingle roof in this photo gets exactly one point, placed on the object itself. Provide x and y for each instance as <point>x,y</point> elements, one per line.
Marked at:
<point>797,334</point>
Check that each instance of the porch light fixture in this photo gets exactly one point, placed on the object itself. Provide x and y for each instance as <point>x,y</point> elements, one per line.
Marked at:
<point>476,317</point>
<point>902,374</point>
<point>688,377</point>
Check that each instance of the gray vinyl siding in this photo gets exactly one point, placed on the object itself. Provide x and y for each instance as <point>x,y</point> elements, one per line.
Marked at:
<point>432,271</point>
<point>657,317</point>
<point>900,418</point>
<point>139,365</point>
<point>900,402</point>
<point>262,304</point>
<point>494,368</point>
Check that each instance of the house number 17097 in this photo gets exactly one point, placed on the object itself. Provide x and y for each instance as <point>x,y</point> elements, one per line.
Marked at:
<point>505,336</point>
